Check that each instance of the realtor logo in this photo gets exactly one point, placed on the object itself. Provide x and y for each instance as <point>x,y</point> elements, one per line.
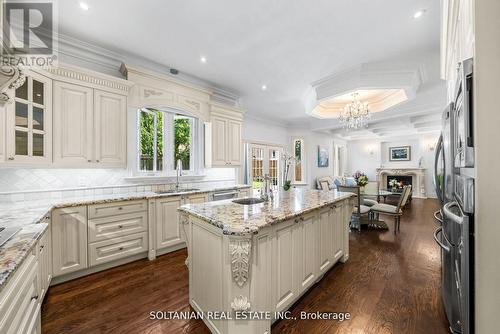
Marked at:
<point>28,34</point>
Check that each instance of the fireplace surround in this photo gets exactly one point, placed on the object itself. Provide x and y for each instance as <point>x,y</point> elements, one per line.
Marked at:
<point>416,174</point>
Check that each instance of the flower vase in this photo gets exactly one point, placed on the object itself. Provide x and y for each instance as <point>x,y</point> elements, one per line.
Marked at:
<point>287,185</point>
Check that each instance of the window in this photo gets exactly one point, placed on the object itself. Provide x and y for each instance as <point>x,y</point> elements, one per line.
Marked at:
<point>298,170</point>
<point>265,160</point>
<point>165,137</point>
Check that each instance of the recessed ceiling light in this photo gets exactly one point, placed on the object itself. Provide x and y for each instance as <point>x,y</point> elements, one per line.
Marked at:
<point>419,14</point>
<point>84,6</point>
<point>263,87</point>
<point>203,59</point>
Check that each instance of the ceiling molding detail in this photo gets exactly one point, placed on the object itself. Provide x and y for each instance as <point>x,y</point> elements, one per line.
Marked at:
<point>369,76</point>
<point>81,53</point>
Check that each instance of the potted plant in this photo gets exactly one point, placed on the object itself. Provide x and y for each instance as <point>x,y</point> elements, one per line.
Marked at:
<point>288,161</point>
<point>361,179</point>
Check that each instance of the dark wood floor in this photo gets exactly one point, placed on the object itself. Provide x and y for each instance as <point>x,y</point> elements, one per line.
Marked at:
<point>391,284</point>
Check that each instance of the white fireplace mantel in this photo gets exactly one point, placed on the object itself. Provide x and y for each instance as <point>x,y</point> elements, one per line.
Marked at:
<point>417,174</point>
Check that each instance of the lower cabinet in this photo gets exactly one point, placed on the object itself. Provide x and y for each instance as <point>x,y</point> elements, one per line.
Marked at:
<point>303,249</point>
<point>20,299</point>
<point>168,231</point>
<point>44,249</point>
<point>69,240</point>
<point>284,269</point>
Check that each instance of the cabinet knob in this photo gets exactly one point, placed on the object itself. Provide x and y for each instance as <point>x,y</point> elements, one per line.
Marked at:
<point>97,161</point>
<point>11,158</point>
<point>121,248</point>
<point>302,218</point>
<point>89,160</point>
<point>120,208</point>
<point>120,226</point>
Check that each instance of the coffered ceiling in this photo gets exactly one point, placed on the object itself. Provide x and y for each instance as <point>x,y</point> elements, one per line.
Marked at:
<point>242,46</point>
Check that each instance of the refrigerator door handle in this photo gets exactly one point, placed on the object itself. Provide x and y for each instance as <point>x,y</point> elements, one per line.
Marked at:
<point>438,216</point>
<point>439,149</point>
<point>449,214</point>
<point>443,246</point>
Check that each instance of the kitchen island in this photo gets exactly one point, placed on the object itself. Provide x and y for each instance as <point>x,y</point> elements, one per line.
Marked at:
<point>257,260</point>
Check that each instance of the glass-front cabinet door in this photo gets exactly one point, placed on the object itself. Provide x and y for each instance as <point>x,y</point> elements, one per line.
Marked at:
<point>29,121</point>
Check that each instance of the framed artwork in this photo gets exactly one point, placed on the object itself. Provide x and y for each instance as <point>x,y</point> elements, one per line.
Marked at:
<point>322,156</point>
<point>400,153</point>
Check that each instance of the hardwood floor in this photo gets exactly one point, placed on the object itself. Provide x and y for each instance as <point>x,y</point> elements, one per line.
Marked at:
<point>391,284</point>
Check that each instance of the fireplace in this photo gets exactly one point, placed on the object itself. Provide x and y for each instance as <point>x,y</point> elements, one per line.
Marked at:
<point>414,176</point>
<point>405,179</point>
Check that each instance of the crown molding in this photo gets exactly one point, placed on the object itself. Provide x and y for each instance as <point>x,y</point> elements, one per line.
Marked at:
<point>73,50</point>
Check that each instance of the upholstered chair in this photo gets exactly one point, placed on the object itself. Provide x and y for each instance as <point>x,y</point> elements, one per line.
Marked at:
<point>394,210</point>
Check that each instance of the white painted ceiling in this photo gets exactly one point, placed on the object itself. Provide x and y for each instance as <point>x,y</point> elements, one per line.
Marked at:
<point>283,44</point>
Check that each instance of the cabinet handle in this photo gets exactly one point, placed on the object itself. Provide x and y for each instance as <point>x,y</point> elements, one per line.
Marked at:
<point>120,208</point>
<point>97,161</point>
<point>11,158</point>
<point>121,248</point>
<point>120,226</point>
<point>302,218</point>
<point>89,160</point>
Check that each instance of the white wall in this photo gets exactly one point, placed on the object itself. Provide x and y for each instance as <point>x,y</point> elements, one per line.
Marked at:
<point>255,130</point>
<point>367,155</point>
<point>311,142</point>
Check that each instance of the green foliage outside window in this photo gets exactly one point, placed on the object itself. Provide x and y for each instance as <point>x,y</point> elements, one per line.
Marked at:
<point>147,139</point>
<point>182,141</point>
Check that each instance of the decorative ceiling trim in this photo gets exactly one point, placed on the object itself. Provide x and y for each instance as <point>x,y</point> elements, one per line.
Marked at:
<point>382,75</point>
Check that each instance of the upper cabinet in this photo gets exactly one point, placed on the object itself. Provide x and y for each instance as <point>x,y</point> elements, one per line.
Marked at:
<point>28,122</point>
<point>66,117</point>
<point>89,126</point>
<point>90,121</point>
<point>223,138</point>
<point>457,38</point>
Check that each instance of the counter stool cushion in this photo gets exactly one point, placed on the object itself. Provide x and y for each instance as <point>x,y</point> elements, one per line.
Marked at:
<point>369,202</point>
<point>385,208</point>
<point>362,209</point>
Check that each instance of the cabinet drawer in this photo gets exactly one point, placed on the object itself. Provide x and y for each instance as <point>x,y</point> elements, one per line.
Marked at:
<point>117,208</point>
<point>117,226</point>
<point>117,248</point>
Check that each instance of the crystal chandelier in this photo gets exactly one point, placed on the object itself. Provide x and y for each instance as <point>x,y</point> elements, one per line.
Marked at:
<point>355,114</point>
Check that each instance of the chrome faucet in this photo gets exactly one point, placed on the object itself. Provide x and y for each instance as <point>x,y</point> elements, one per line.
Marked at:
<point>179,173</point>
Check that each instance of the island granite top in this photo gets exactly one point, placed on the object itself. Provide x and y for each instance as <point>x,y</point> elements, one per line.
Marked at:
<point>238,219</point>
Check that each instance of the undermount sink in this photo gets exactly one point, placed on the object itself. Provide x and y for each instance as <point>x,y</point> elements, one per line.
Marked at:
<point>171,191</point>
<point>248,201</point>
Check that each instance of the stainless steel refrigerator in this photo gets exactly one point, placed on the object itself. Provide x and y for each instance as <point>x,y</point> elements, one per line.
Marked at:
<point>454,182</point>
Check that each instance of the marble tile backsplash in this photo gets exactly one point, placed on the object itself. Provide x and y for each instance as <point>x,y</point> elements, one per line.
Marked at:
<point>31,184</point>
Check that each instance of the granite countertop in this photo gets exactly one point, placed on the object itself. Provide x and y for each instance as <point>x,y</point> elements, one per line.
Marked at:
<point>30,215</point>
<point>238,219</point>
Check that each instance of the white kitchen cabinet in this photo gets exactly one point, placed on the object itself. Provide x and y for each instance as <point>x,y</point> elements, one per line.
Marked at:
<point>326,243</point>
<point>2,134</point>
<point>234,144</point>
<point>168,230</point>
<point>73,124</point>
<point>28,122</point>
<point>284,265</point>
<point>110,128</point>
<point>69,240</point>
<point>19,299</point>
<point>90,126</point>
<point>223,138</point>
<point>45,261</point>
<point>219,142</point>
<point>196,198</point>
<point>457,38</point>
<point>308,251</point>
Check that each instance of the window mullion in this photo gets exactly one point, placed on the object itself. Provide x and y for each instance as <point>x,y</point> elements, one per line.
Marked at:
<point>155,146</point>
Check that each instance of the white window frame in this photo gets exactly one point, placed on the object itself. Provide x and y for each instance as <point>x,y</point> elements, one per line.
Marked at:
<point>266,150</point>
<point>302,162</point>
<point>168,163</point>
